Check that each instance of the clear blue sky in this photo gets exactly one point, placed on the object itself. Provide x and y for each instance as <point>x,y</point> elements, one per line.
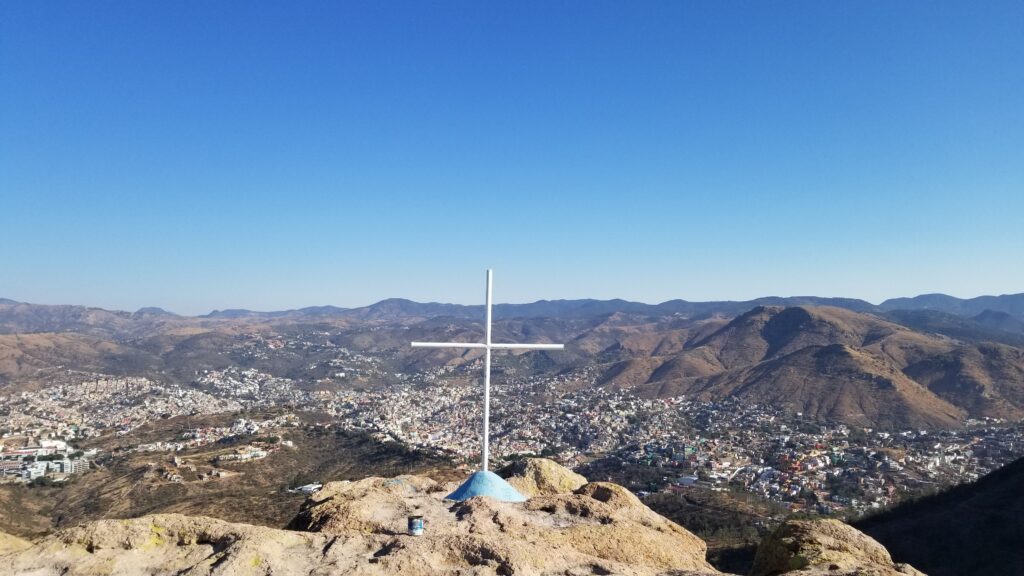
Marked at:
<point>200,155</point>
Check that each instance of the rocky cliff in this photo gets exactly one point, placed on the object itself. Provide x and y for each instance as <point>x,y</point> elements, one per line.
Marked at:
<point>565,528</point>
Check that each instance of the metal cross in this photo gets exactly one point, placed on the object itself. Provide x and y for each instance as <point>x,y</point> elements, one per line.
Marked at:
<point>487,346</point>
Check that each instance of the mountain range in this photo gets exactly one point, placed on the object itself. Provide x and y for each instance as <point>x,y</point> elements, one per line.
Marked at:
<point>934,364</point>
<point>994,311</point>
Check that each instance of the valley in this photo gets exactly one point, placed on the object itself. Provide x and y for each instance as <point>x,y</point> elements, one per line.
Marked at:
<point>769,411</point>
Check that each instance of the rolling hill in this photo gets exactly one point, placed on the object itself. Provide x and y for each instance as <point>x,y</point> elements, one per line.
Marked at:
<point>1012,304</point>
<point>836,364</point>
<point>988,326</point>
<point>852,363</point>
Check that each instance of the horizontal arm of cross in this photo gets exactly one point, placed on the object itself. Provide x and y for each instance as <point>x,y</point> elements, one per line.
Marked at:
<point>493,345</point>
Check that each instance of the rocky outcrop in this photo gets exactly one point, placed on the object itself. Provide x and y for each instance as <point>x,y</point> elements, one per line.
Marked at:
<point>370,506</point>
<point>359,528</point>
<point>599,529</point>
<point>170,544</point>
<point>805,547</point>
<point>541,477</point>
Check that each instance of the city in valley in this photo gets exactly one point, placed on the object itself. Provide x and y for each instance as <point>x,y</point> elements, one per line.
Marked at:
<point>82,421</point>
<point>494,288</point>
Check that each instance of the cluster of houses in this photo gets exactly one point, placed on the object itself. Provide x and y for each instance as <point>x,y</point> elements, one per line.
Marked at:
<point>205,435</point>
<point>244,454</point>
<point>25,459</point>
<point>88,405</point>
<point>724,445</point>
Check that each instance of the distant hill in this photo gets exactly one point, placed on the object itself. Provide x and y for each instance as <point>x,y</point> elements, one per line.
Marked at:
<point>1012,304</point>
<point>394,309</point>
<point>397,308</point>
<point>851,362</point>
<point>1002,313</point>
<point>974,528</point>
<point>233,313</point>
<point>152,311</point>
<point>1000,321</point>
<point>738,307</point>
<point>986,380</point>
<point>301,313</point>
<point>20,317</point>
<point>321,311</point>
<point>987,327</point>
<point>23,355</point>
<point>828,363</point>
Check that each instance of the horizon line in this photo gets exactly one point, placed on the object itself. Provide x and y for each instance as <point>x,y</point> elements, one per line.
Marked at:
<point>10,301</point>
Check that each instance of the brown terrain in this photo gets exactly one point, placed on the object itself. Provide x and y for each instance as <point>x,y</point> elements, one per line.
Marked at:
<point>128,484</point>
<point>359,528</point>
<point>832,363</point>
<point>837,365</point>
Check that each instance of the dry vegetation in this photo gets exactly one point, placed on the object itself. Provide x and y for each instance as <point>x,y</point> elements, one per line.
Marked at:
<point>132,485</point>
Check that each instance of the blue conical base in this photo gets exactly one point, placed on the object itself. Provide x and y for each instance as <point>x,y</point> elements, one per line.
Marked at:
<point>486,484</point>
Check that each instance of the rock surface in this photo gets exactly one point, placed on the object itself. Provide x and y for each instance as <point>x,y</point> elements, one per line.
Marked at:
<point>359,528</point>
<point>805,547</point>
<point>599,529</point>
<point>9,544</point>
<point>541,477</point>
<point>171,544</point>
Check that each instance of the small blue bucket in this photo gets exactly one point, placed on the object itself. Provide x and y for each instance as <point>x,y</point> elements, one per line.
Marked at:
<point>416,525</point>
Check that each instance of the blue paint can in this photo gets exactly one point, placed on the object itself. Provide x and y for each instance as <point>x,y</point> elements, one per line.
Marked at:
<point>416,525</point>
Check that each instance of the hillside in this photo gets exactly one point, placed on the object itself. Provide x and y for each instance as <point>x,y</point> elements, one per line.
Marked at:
<point>1012,304</point>
<point>24,356</point>
<point>828,363</point>
<point>898,370</point>
<point>985,380</point>
<point>988,326</point>
<point>130,485</point>
<point>1000,321</point>
<point>970,529</point>
<point>837,383</point>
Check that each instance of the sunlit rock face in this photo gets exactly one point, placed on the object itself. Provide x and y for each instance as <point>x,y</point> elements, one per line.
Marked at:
<point>360,528</point>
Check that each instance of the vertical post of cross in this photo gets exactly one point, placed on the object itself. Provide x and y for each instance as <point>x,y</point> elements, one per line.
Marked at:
<point>471,488</point>
<point>487,378</point>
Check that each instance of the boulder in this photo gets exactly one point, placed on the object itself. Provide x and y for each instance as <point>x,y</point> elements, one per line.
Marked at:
<point>368,506</point>
<point>611,494</point>
<point>541,476</point>
<point>806,547</point>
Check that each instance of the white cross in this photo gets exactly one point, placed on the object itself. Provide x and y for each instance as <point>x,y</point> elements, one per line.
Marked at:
<point>487,345</point>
